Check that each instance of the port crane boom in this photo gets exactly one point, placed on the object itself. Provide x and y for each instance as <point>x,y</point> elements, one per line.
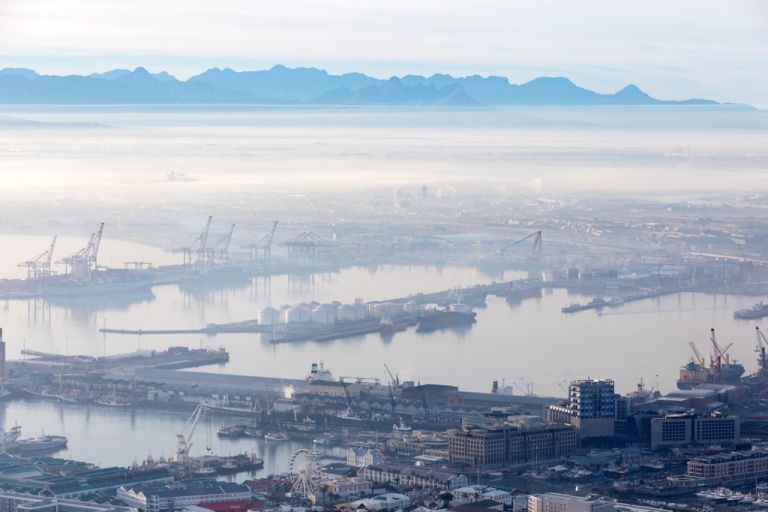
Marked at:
<point>185,436</point>
<point>40,265</point>
<point>536,250</point>
<point>697,354</point>
<point>762,343</point>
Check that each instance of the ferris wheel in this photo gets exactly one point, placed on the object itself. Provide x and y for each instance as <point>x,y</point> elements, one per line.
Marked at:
<point>305,473</point>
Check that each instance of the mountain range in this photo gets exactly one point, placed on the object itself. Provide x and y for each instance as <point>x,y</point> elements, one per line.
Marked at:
<point>282,85</point>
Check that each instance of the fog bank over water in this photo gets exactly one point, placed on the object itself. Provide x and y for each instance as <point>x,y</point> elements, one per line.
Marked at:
<point>49,152</point>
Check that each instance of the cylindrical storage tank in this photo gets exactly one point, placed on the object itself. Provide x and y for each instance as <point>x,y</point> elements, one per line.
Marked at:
<point>269,316</point>
<point>346,313</point>
<point>297,314</point>
<point>324,314</point>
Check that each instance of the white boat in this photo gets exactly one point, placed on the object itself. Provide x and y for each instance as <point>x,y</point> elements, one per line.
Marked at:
<point>275,436</point>
<point>349,415</point>
<point>402,427</point>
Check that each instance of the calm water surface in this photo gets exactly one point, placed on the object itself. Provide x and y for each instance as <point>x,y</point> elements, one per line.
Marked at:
<point>528,342</point>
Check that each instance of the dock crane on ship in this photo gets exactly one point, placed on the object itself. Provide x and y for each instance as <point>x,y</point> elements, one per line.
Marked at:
<point>184,438</point>
<point>762,343</point>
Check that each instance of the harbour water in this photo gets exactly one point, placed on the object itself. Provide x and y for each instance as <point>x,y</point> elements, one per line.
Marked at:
<point>127,435</point>
<point>537,342</point>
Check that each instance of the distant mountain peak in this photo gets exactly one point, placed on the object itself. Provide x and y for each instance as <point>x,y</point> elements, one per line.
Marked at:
<point>306,85</point>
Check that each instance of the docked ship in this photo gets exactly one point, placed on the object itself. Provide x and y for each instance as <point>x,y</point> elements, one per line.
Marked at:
<point>721,370</point>
<point>454,315</point>
<point>231,431</point>
<point>40,444</point>
<point>596,303</point>
<point>759,310</point>
<point>227,405</point>
<point>102,283</point>
<point>114,401</point>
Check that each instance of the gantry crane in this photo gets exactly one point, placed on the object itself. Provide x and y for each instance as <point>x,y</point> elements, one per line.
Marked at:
<point>264,245</point>
<point>197,251</point>
<point>219,252</point>
<point>85,262</point>
<point>39,267</point>
<point>184,437</point>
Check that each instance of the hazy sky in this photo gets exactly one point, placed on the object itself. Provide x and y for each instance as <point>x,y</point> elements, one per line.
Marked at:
<point>672,49</point>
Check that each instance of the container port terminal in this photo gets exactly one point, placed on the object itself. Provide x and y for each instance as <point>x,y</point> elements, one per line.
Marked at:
<point>356,437</point>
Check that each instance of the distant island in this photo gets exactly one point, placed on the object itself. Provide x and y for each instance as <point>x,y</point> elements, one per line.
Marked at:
<point>306,86</point>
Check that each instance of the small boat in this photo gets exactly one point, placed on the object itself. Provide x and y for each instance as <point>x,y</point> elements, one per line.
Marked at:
<point>276,436</point>
<point>205,470</point>
<point>253,432</point>
<point>402,427</point>
<point>231,431</point>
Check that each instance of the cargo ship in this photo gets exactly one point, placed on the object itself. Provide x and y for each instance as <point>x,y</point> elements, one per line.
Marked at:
<point>108,282</point>
<point>721,369</point>
<point>39,444</point>
<point>596,303</point>
<point>759,310</point>
<point>455,315</point>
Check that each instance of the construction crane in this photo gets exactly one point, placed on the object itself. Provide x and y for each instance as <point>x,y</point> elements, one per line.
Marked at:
<point>762,343</point>
<point>197,251</point>
<point>537,250</point>
<point>85,262</point>
<point>39,267</point>
<point>184,437</point>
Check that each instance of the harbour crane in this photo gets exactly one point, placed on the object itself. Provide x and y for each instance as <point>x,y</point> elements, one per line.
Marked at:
<point>184,437</point>
<point>197,248</point>
<point>85,262</point>
<point>720,355</point>
<point>39,267</point>
<point>537,250</point>
<point>697,354</point>
<point>264,245</point>
<point>394,379</point>
<point>762,343</point>
<point>219,252</point>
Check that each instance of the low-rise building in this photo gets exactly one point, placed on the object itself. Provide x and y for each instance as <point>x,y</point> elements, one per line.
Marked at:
<point>163,498</point>
<point>13,502</point>
<point>510,445</point>
<point>390,501</point>
<point>406,476</point>
<point>689,429</point>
